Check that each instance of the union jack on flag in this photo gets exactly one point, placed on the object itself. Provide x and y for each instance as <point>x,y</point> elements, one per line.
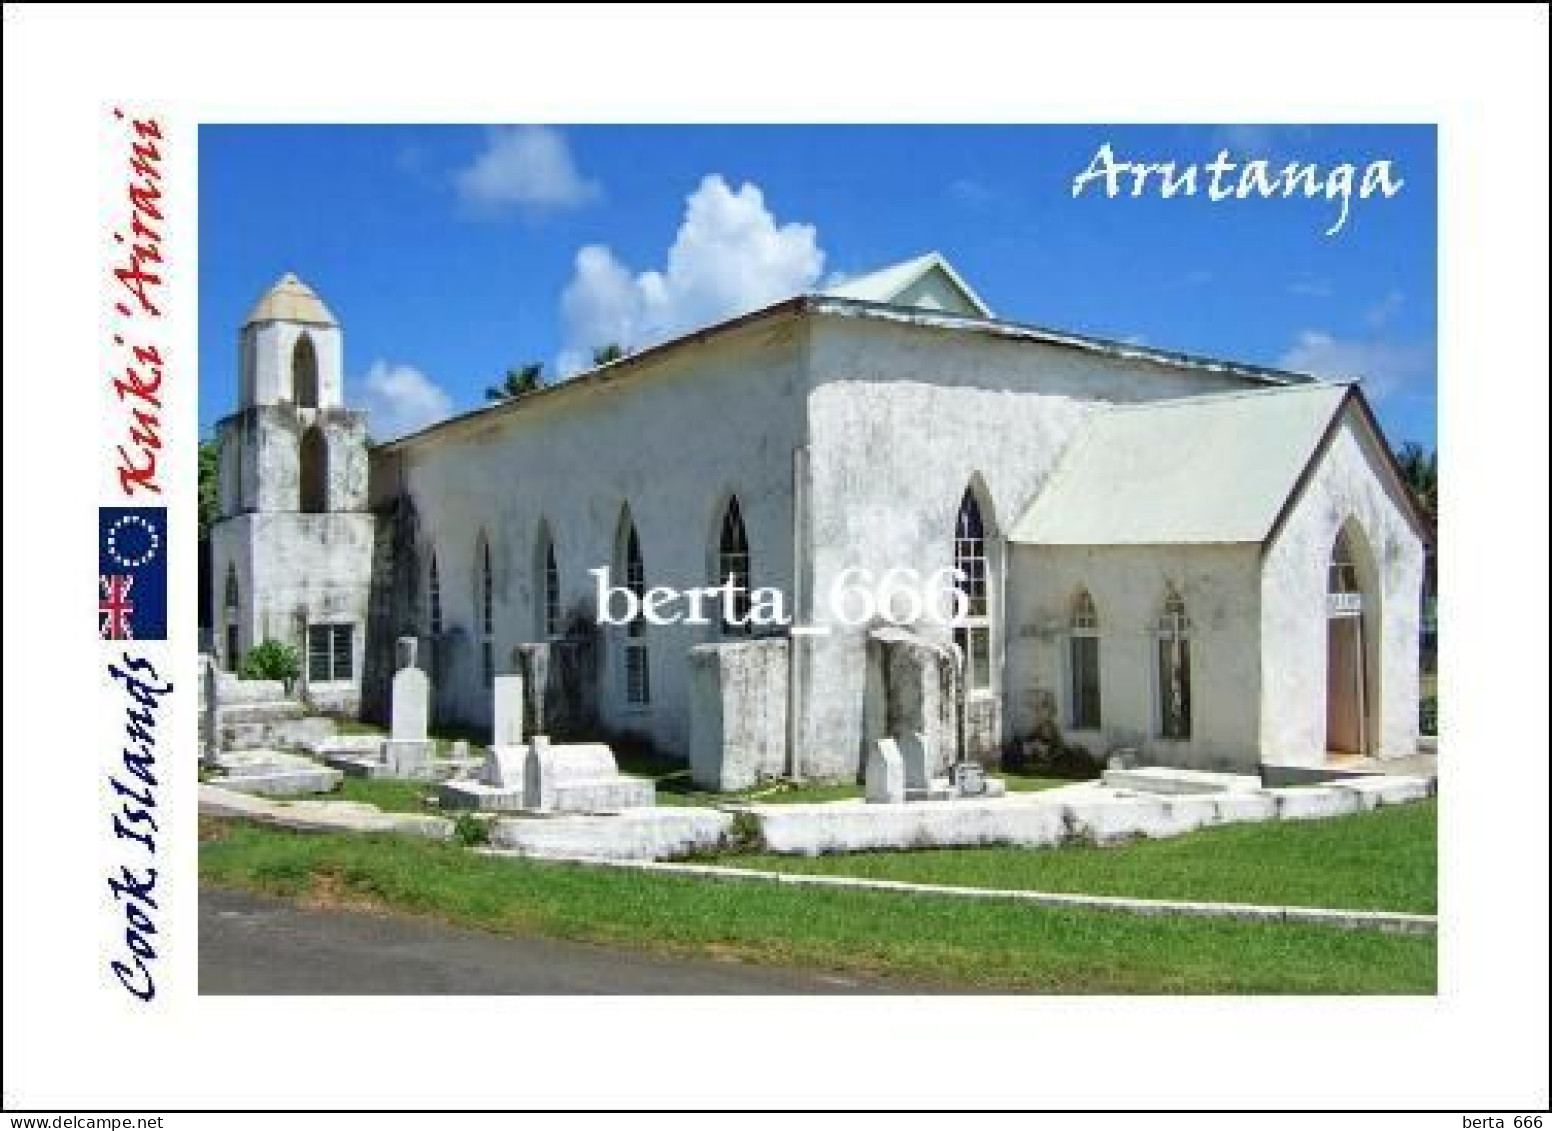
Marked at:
<point>132,573</point>
<point>115,607</point>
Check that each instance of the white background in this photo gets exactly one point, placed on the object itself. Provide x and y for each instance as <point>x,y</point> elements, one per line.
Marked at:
<point>74,1041</point>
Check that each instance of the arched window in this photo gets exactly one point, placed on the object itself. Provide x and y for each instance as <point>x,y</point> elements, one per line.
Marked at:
<point>434,598</point>
<point>1174,667</point>
<point>314,472</point>
<point>638,681</point>
<point>1083,663</point>
<point>1343,574</point>
<point>487,602</point>
<point>549,618</point>
<point>230,603</point>
<point>733,568</point>
<point>974,634</point>
<point>1350,636</point>
<point>304,372</point>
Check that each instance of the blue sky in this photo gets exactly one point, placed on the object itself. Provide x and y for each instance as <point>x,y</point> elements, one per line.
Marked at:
<point>451,253</point>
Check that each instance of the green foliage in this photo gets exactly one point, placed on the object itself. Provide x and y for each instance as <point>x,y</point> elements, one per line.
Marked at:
<point>209,486</point>
<point>272,659</point>
<point>603,355</point>
<point>524,379</point>
<point>469,830</point>
<point>1420,469</point>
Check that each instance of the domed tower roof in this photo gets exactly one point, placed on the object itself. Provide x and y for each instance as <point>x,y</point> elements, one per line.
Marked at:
<point>291,300</point>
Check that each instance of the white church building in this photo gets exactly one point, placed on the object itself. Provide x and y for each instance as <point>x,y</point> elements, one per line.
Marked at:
<point>1209,563</point>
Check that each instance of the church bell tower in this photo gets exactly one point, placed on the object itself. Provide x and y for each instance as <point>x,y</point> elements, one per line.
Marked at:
<point>291,552</point>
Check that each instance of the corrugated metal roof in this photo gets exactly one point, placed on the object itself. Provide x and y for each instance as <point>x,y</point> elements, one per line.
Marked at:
<point>1213,469</point>
<point>892,284</point>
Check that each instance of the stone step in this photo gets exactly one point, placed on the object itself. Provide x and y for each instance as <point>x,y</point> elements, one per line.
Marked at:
<point>263,711</point>
<point>279,732</point>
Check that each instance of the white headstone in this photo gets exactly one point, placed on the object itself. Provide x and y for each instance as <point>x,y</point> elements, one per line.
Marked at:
<point>411,703</point>
<point>504,767</point>
<point>885,773</point>
<point>917,754</point>
<point>508,701</point>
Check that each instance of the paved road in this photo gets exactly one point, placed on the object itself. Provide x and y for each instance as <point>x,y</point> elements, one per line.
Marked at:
<point>254,945</point>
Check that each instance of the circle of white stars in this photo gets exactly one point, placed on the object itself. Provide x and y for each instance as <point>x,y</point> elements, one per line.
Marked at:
<point>153,542</point>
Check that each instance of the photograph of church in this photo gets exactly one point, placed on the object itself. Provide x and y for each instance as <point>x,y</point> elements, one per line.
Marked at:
<point>1190,561</point>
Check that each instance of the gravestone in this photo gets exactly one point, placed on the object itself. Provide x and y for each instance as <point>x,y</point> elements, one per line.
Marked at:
<point>507,696</point>
<point>212,684</point>
<point>407,752</point>
<point>969,779</point>
<point>885,775</point>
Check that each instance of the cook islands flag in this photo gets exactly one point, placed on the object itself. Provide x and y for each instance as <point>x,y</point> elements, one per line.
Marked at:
<point>132,573</point>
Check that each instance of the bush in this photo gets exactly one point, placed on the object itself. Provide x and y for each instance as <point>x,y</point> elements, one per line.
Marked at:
<point>469,830</point>
<point>272,660</point>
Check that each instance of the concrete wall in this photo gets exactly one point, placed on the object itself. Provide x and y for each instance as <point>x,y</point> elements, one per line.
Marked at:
<point>902,419</point>
<point>265,354</point>
<point>1221,589</point>
<point>1350,485</point>
<point>295,570</point>
<point>673,438</point>
<point>260,458</point>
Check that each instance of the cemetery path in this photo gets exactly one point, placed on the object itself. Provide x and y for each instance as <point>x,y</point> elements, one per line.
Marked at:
<point>251,944</point>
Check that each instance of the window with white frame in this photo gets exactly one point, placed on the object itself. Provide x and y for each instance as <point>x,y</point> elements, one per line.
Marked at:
<point>1083,664</point>
<point>638,682</point>
<point>733,567</point>
<point>487,617</point>
<point>974,634</point>
<point>1174,668</point>
<point>330,652</point>
<point>434,598</point>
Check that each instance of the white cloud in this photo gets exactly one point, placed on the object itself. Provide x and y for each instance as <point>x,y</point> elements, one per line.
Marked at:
<point>1310,288</point>
<point>1384,366</point>
<point>1382,313</point>
<point>525,167</point>
<point>401,399</point>
<point>729,256</point>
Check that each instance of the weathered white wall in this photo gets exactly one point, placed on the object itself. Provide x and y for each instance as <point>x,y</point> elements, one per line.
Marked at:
<point>265,357</point>
<point>673,438</point>
<point>1221,589</point>
<point>1348,485</point>
<point>902,419</point>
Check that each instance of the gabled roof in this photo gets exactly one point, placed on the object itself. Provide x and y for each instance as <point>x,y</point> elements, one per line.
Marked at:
<point>291,300</point>
<point>1212,469</point>
<point>928,281</point>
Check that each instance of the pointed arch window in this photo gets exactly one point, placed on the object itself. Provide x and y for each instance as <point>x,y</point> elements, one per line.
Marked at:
<point>304,372</point>
<point>549,586</point>
<point>1083,663</point>
<point>434,597</point>
<point>638,681</point>
<point>1343,575</point>
<point>230,603</point>
<point>974,633</point>
<point>487,597</point>
<point>733,568</point>
<point>314,471</point>
<point>1174,667</point>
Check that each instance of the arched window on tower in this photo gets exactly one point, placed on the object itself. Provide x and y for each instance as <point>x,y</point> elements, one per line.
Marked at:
<point>1174,668</point>
<point>974,634</point>
<point>1083,663</point>
<point>313,471</point>
<point>638,681</point>
<point>304,372</point>
<point>733,568</point>
<point>434,598</point>
<point>230,615</point>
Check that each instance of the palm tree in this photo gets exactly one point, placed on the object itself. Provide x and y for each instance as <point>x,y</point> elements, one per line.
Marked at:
<point>1420,470</point>
<point>524,379</point>
<point>603,355</point>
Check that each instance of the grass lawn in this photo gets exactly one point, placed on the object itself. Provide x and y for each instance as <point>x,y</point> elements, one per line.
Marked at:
<point>1383,860</point>
<point>388,794</point>
<point>934,941</point>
